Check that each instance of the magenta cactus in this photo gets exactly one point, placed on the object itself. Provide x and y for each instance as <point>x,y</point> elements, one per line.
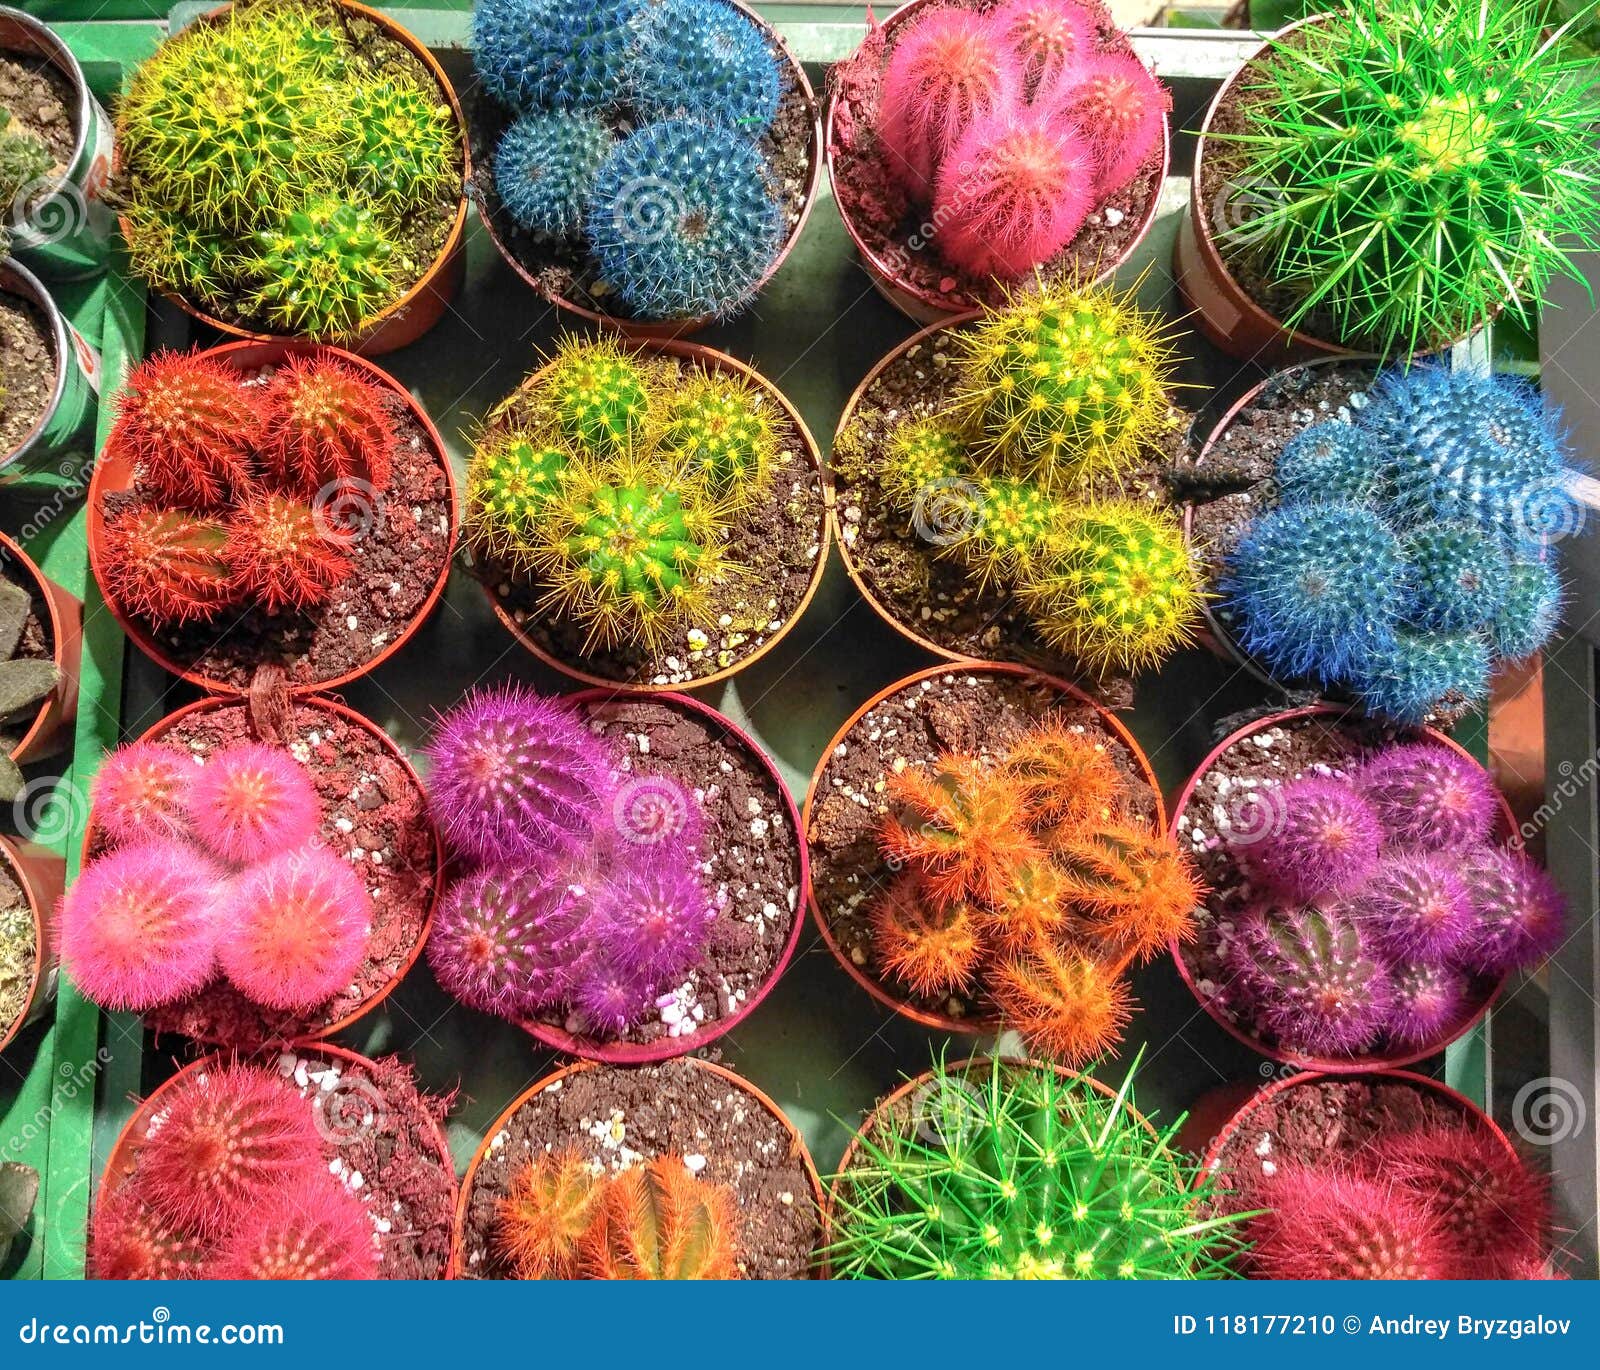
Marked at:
<point>1324,839</point>
<point>516,777</point>
<point>1519,912</point>
<point>656,811</point>
<point>139,927</point>
<point>131,1241</point>
<point>1429,796</point>
<point>651,919</point>
<point>610,998</point>
<point>1415,906</point>
<point>1120,108</point>
<point>1049,35</point>
<point>142,791</point>
<point>1322,1224</point>
<point>252,801</point>
<point>1429,1001</point>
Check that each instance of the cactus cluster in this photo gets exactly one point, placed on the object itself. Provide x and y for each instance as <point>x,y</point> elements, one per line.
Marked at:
<point>276,168</point>
<point>1027,879</point>
<point>639,135</point>
<point>583,900</point>
<point>1410,550</point>
<point>1011,1171</point>
<point>237,1182</point>
<point>208,869</point>
<point>1376,904</point>
<point>1414,165</point>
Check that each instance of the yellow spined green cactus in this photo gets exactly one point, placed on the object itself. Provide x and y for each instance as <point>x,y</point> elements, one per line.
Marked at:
<point>510,482</point>
<point>723,430</point>
<point>598,396</point>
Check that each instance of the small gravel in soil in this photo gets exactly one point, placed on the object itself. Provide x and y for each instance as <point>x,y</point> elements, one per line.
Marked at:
<point>27,369</point>
<point>19,951</point>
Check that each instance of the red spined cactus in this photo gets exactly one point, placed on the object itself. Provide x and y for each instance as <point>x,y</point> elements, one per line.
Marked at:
<point>142,790</point>
<point>129,1240</point>
<point>282,556</point>
<point>1119,107</point>
<point>540,1224</point>
<point>327,424</point>
<point>1069,779</point>
<point>166,566</point>
<point>1136,888</point>
<point>933,950</point>
<point>315,1232</point>
<point>251,801</point>
<point>1049,35</point>
<point>188,423</point>
<point>659,1222</point>
<point>1066,1005</point>
<point>1323,1225</point>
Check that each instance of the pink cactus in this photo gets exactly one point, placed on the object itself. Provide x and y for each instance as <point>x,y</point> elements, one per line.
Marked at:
<point>131,1241</point>
<point>142,791</point>
<point>1120,109</point>
<point>1415,906</point>
<point>1430,797</point>
<point>1323,1225</point>
<point>1051,36</point>
<point>651,918</point>
<point>1519,911</point>
<point>317,1232</point>
<point>1429,1002</point>
<point>1324,839</point>
<point>253,801</point>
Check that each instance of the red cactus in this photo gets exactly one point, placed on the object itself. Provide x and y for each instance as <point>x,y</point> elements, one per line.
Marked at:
<point>552,1204</point>
<point>131,1241</point>
<point>933,950</point>
<point>327,423</point>
<point>252,801</point>
<point>227,1142</point>
<point>1325,1225</point>
<point>1050,35</point>
<point>188,423</point>
<point>1119,107</point>
<point>314,1232</point>
<point>281,555</point>
<point>141,791</point>
<point>295,929</point>
<point>139,926</point>
<point>1066,1006</point>
<point>166,566</point>
<point>661,1223</point>
<point>1014,191</point>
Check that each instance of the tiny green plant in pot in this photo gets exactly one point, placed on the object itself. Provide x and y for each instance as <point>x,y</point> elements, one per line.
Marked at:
<point>1387,177</point>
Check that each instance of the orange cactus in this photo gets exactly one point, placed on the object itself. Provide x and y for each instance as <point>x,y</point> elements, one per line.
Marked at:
<point>1136,888</point>
<point>659,1222</point>
<point>1068,779</point>
<point>553,1203</point>
<point>1066,1006</point>
<point>933,950</point>
<point>1034,910</point>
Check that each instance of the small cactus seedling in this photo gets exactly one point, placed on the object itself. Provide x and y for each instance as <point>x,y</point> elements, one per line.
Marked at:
<point>318,1233</point>
<point>24,162</point>
<point>1011,526</point>
<point>512,479</point>
<point>167,566</point>
<point>131,1241</point>
<point>598,396</point>
<point>722,430</point>
<point>406,152</point>
<point>1120,108</point>
<point>1330,1226</point>
<point>545,168</point>
<point>327,424</point>
<point>1429,796</point>
<point>553,1202</point>
<point>703,57</point>
<point>1134,885</point>
<point>1416,906</point>
<point>661,1222</point>
<point>1050,35</point>
<point>932,949</point>
<point>253,801</point>
<point>1460,577</point>
<point>1520,913</point>
<point>1332,460</point>
<point>282,555</point>
<point>925,454</point>
<point>549,54</point>
<point>1430,1002</point>
<point>1419,674</point>
<point>650,920</point>
<point>325,271</point>
<point>1066,1005</point>
<point>1324,839</point>
<point>1531,611</point>
<point>140,791</point>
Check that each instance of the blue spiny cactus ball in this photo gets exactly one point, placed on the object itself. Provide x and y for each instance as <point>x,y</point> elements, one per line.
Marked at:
<point>554,54</point>
<point>705,59</point>
<point>1420,672</point>
<point>1460,576</point>
<point>682,221</point>
<point>1331,460</point>
<point>1312,590</point>
<point>545,169</point>
<point>1531,610</point>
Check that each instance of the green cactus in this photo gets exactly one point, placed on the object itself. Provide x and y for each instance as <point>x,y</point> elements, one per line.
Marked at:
<point>176,256</point>
<point>722,429</point>
<point>512,478</point>
<point>1012,525</point>
<point>598,397</point>
<point>23,160</point>
<point>921,454</point>
<point>404,149</point>
<point>325,271</point>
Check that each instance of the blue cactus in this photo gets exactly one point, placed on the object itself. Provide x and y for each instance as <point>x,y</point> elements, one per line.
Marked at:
<point>682,221</point>
<point>1331,460</point>
<point>704,58</point>
<point>554,54</point>
<point>1313,590</point>
<point>545,168</point>
<point>1530,612</point>
<point>1419,672</point>
<point>1460,576</point>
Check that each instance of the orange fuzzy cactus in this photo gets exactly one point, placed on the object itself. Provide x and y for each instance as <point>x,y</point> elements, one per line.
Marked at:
<point>1034,910</point>
<point>541,1224</point>
<point>1069,780</point>
<point>1134,886</point>
<point>659,1222</point>
<point>933,950</point>
<point>1065,1005</point>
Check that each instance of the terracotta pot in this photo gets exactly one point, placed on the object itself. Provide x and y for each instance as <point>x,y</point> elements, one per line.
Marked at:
<point>661,329</point>
<point>159,731</point>
<point>715,361</point>
<point>667,1048</point>
<point>944,1022</point>
<point>124,1151</point>
<point>921,305</point>
<point>556,1077</point>
<point>423,305</point>
<point>42,877</point>
<point>114,474</point>
<point>51,730</point>
<point>1506,827</point>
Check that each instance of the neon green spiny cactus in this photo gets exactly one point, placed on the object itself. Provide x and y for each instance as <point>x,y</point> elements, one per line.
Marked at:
<point>405,142</point>
<point>324,272</point>
<point>721,428</point>
<point>920,455</point>
<point>510,483</point>
<point>598,396</point>
<point>1012,527</point>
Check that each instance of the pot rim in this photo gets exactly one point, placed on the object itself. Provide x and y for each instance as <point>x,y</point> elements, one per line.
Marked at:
<point>43,959</point>
<point>16,279</point>
<point>58,629</point>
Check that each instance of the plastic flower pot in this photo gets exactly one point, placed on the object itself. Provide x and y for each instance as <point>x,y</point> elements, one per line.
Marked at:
<point>884,992</point>
<point>1472,1013</point>
<point>41,875</point>
<point>557,1079</point>
<point>399,324</point>
<point>352,1107</point>
<point>280,1026</point>
<point>51,730</point>
<point>696,353</point>
<point>666,1047</point>
<point>494,221</point>
<point>889,278</point>
<point>114,475</point>
<point>74,391</point>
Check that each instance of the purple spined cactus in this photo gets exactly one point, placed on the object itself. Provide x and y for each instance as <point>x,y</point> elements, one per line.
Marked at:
<point>655,813</point>
<point>515,777</point>
<point>1430,797</point>
<point>1302,975</point>
<point>1415,906</point>
<point>1429,1002</point>
<point>1518,913</point>
<point>608,998</point>
<point>1323,838</point>
<point>651,918</point>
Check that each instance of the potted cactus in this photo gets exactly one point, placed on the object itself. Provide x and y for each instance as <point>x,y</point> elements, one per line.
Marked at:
<point>310,1165</point>
<point>1386,178</point>
<point>646,514</point>
<point>268,511</point>
<point>295,168</point>
<point>987,850</point>
<point>678,1171</point>
<point>1015,1170</point>
<point>999,488</point>
<point>242,886</point>
<point>629,876</point>
<point>1386,539</point>
<point>643,163</point>
<point>1365,901</point>
<point>31,880</point>
<point>986,141</point>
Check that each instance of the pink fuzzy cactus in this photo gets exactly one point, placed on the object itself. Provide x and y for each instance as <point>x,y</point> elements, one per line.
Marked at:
<point>1119,107</point>
<point>656,811</point>
<point>295,929</point>
<point>1429,1003</point>
<point>1415,906</point>
<point>1519,912</point>
<point>651,918</point>
<point>1050,36</point>
<point>1014,192</point>
<point>946,69</point>
<point>142,791</point>
<point>609,998</point>
<point>253,801</point>
<point>1323,1225</point>
<point>1430,797</point>
<point>317,1232</point>
<point>1323,838</point>
<point>129,1240</point>
<point>139,926</point>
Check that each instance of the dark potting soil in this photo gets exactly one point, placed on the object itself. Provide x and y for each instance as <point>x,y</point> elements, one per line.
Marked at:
<point>37,643</point>
<point>936,596</point>
<point>400,546</point>
<point>374,816</point>
<point>898,232</point>
<point>27,369</point>
<point>1224,802</point>
<point>41,101</point>
<point>622,1118</point>
<point>749,857</point>
<point>563,268</point>
<point>19,948</point>
<point>778,541</point>
<point>958,711</point>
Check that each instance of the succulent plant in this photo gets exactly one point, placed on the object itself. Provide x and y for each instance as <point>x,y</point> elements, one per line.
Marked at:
<point>327,424</point>
<point>659,1221</point>
<point>1415,906</point>
<point>650,920</point>
<point>1429,796</point>
<point>723,430</point>
<point>24,161</point>
<point>548,54</point>
<point>1332,460</point>
<point>315,1233</point>
<point>324,271</point>
<point>545,167</point>
<point>1049,35</point>
<point>932,948</point>
<point>1324,839</point>
<point>252,801</point>
<point>1459,575</point>
<point>1531,611</point>
<point>1520,913</point>
<point>26,683</point>
<point>1430,1002</point>
<point>167,566</point>
<point>1131,884</point>
<point>1068,1006</point>
<point>1120,108</point>
<point>1420,673</point>
<point>406,144</point>
<point>131,1241</point>
<point>598,396</point>
<point>510,482</point>
<point>553,1202</point>
<point>1331,1226</point>
<point>283,555</point>
<point>142,790</point>
<point>703,57</point>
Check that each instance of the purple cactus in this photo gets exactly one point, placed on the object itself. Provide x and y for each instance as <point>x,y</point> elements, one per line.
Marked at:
<point>1429,1001</point>
<point>656,812</point>
<point>1324,838</point>
<point>651,919</point>
<point>1518,909</point>
<point>1430,797</point>
<point>1415,906</point>
<point>610,998</point>
<point>1302,975</point>
<point>516,777</point>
